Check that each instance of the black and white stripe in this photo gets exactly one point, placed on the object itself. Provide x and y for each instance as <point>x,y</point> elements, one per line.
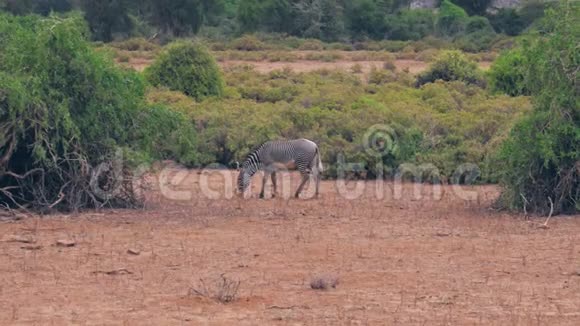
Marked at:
<point>299,154</point>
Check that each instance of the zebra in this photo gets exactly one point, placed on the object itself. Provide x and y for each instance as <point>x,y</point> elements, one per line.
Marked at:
<point>298,154</point>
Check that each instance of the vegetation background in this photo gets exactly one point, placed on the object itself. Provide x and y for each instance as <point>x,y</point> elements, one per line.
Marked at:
<point>67,109</point>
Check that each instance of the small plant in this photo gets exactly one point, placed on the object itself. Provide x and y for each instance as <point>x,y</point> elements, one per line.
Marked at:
<point>356,68</point>
<point>223,290</point>
<point>389,65</point>
<point>123,57</point>
<point>323,282</point>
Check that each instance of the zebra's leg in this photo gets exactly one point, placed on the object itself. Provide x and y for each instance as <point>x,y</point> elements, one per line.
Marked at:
<point>274,184</point>
<point>305,177</point>
<point>317,176</point>
<point>264,180</point>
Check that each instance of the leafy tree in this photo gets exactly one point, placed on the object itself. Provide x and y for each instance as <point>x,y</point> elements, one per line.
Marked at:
<point>44,7</point>
<point>277,15</point>
<point>478,35</point>
<point>473,7</point>
<point>107,17</point>
<point>322,19</point>
<point>17,7</point>
<point>365,19</point>
<point>451,20</point>
<point>508,21</point>
<point>182,17</point>
<point>249,15</point>
<point>410,24</point>
<point>541,158</point>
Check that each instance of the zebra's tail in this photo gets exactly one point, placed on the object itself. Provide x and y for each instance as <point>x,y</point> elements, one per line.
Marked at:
<point>319,161</point>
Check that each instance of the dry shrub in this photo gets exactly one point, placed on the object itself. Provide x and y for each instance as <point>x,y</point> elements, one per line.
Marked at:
<point>248,43</point>
<point>427,55</point>
<point>311,45</point>
<point>323,282</point>
<point>389,65</point>
<point>222,290</point>
<point>356,68</point>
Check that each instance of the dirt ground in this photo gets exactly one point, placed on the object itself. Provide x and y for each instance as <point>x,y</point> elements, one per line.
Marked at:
<point>425,258</point>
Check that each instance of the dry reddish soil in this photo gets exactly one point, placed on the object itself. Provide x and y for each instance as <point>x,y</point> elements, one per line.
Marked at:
<point>401,259</point>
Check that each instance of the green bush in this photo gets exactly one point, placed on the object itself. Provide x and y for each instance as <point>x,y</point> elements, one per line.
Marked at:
<point>479,35</point>
<point>168,134</point>
<point>410,24</point>
<point>65,109</point>
<point>506,74</point>
<point>452,65</point>
<point>443,123</point>
<point>74,121</point>
<point>540,167</point>
<point>189,68</point>
<point>508,21</point>
<point>451,19</point>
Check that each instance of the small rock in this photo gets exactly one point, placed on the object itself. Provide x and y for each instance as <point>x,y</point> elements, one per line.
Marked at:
<point>19,238</point>
<point>133,252</point>
<point>65,243</point>
<point>31,247</point>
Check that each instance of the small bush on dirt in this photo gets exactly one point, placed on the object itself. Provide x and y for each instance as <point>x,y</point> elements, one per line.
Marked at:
<point>189,68</point>
<point>223,290</point>
<point>452,65</point>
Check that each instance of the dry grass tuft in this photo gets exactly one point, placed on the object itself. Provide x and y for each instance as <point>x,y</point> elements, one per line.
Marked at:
<point>223,290</point>
<point>323,282</point>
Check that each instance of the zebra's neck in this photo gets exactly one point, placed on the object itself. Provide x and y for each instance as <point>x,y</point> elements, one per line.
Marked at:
<point>252,164</point>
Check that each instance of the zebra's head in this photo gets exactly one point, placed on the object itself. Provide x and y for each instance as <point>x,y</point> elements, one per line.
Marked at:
<point>243,181</point>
